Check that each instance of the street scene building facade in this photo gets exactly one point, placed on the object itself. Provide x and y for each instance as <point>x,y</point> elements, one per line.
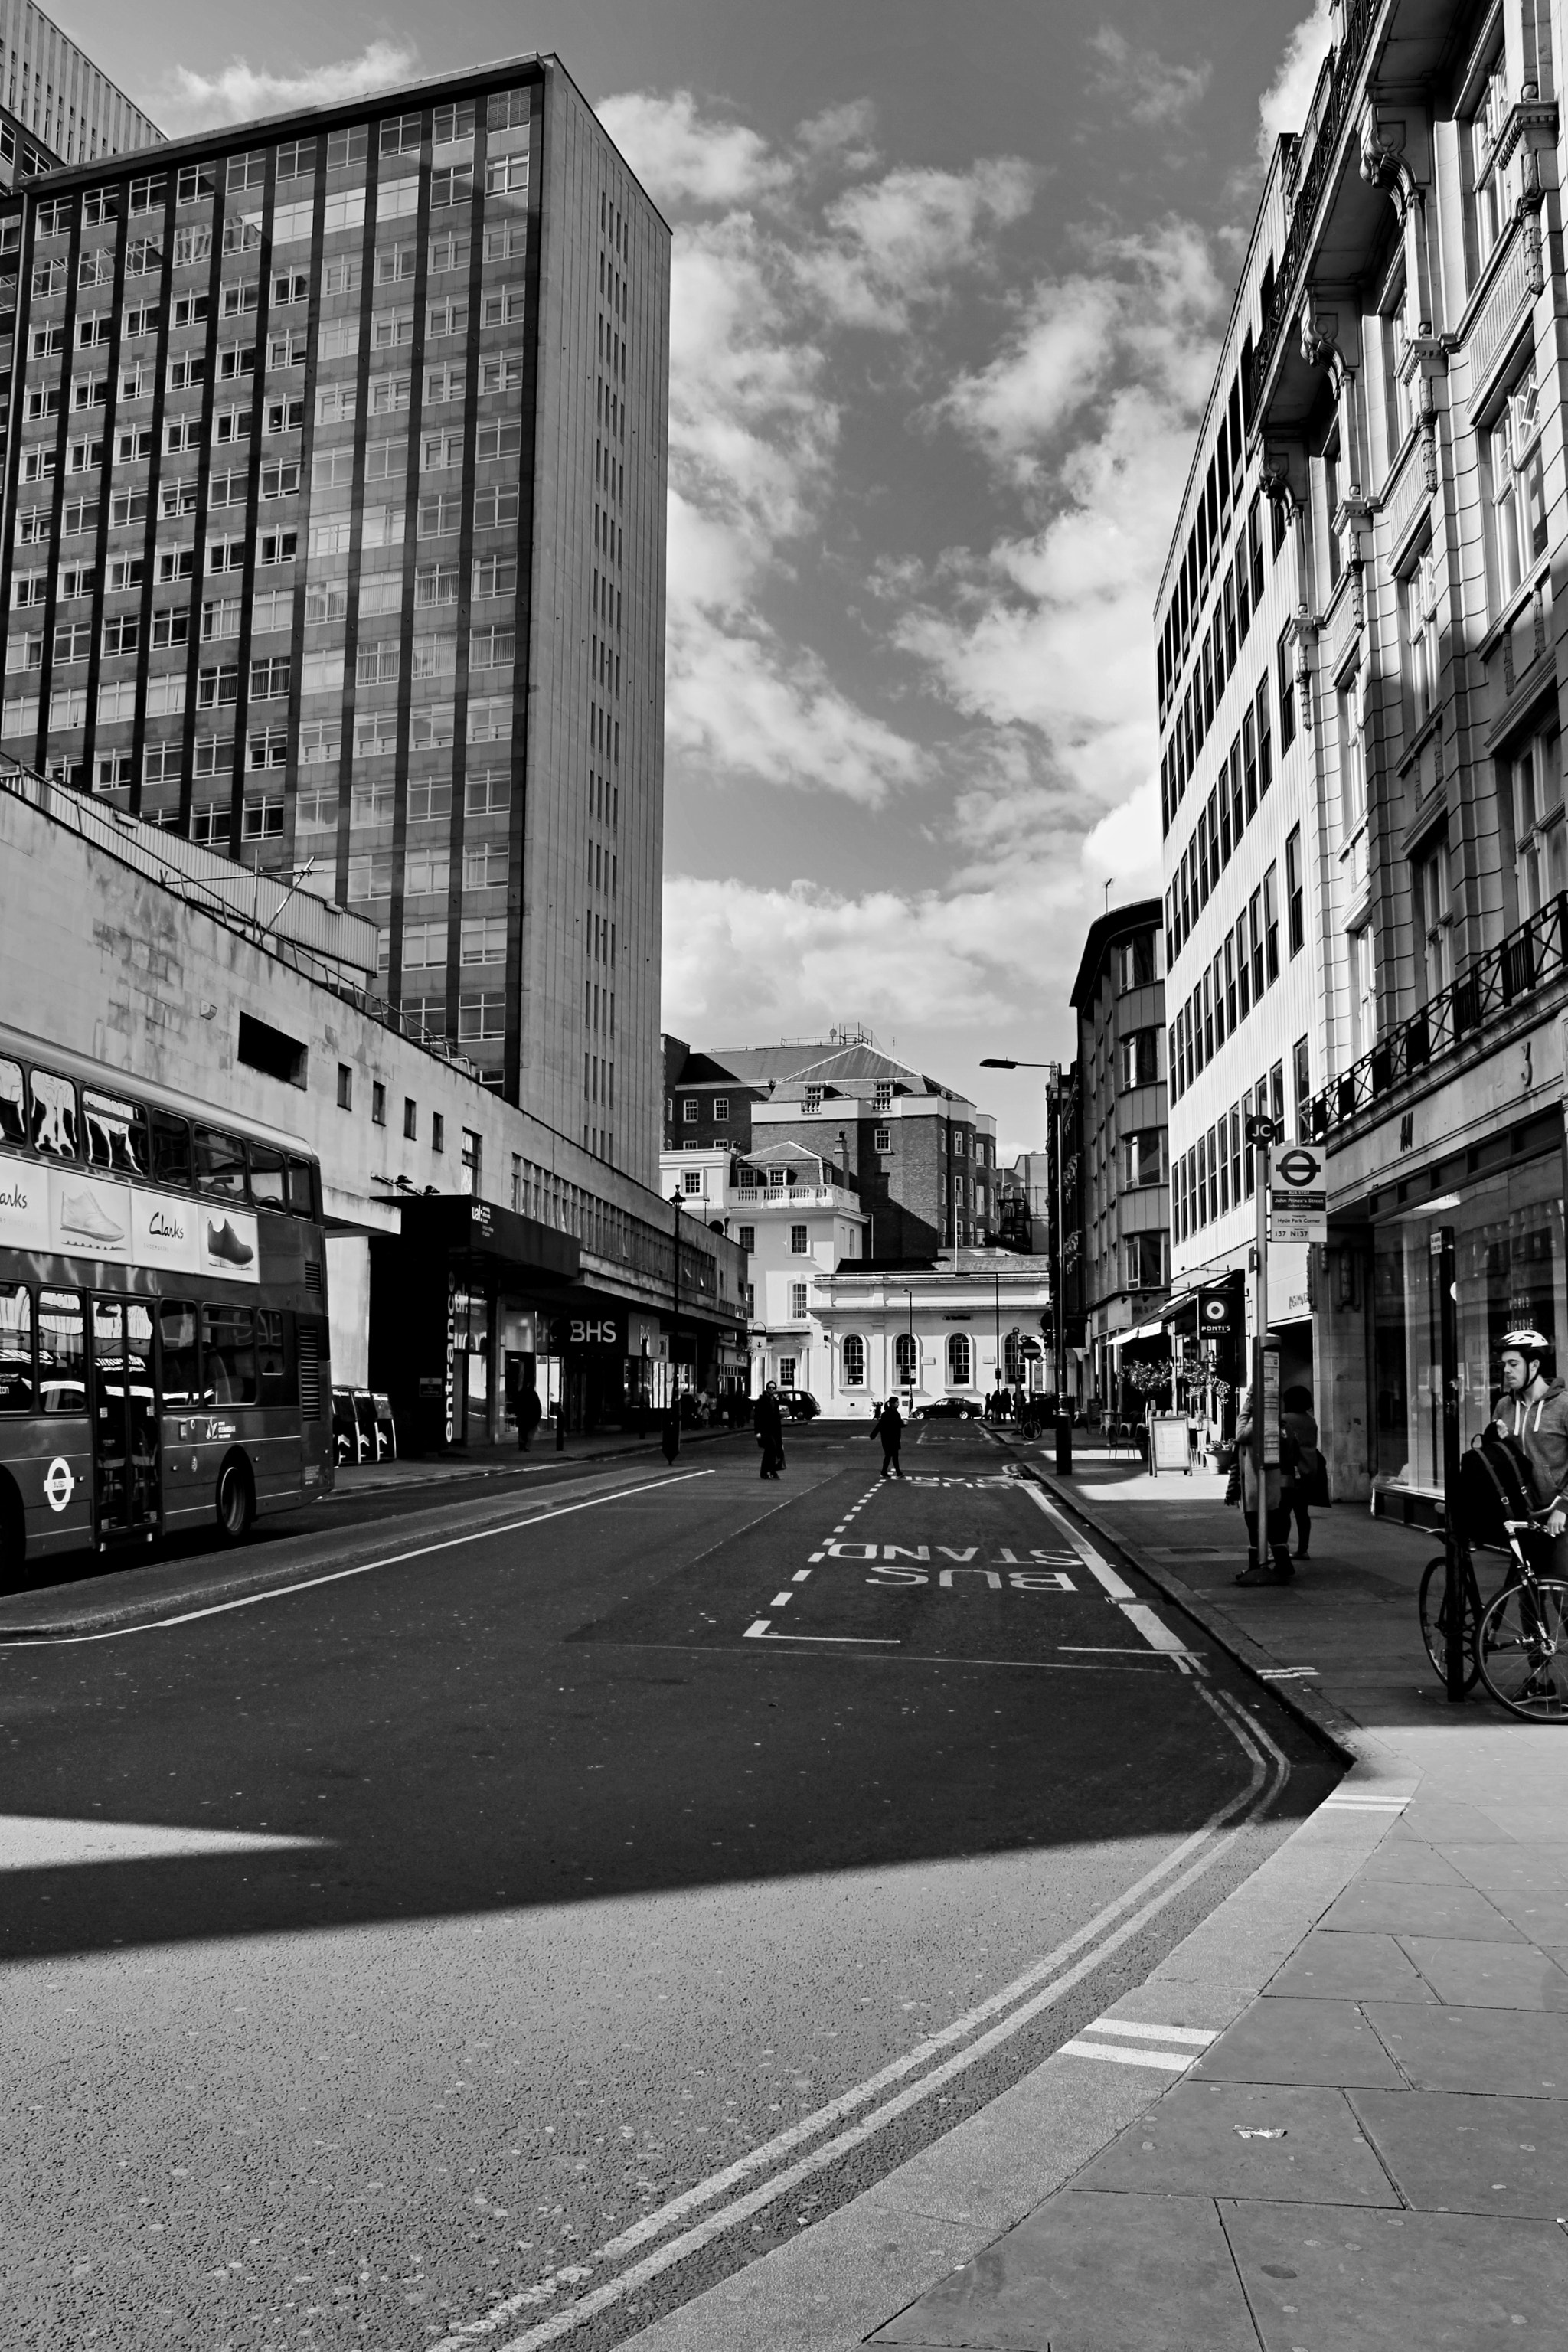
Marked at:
<point>1360,683</point>
<point>1116,1246</point>
<point>922,1156</point>
<point>796,1217</point>
<point>335,541</point>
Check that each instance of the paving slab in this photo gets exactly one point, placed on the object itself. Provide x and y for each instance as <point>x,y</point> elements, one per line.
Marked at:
<point>1410,1862</point>
<point>1278,2039</point>
<point>1397,2282</point>
<point>1504,1869</point>
<point>1485,2050</point>
<point>1405,1909</point>
<point>1092,2274</point>
<point>1452,2152</point>
<point>1347,1967</point>
<point>1245,2139</point>
<point>1488,1976</point>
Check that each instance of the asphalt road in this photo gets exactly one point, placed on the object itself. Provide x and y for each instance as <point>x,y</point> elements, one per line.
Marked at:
<point>498,1941</point>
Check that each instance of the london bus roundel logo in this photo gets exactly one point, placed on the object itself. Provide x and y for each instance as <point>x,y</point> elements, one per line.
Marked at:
<point>1300,1168</point>
<point>59,1484</point>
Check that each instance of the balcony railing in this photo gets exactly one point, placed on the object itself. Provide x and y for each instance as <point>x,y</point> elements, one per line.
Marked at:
<point>1503,977</point>
<point>1344,76</point>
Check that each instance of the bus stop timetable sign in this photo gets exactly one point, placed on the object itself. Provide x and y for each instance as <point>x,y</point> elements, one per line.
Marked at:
<point>1298,1194</point>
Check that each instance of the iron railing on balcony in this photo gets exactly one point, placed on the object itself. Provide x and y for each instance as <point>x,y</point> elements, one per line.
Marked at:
<point>1498,980</point>
<point>1323,130</point>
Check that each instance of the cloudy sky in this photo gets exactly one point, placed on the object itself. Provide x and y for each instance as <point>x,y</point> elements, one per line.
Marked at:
<point>946,291</point>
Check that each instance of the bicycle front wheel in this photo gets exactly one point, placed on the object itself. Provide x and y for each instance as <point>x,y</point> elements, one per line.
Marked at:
<point>1521,1647</point>
<point>1433,1606</point>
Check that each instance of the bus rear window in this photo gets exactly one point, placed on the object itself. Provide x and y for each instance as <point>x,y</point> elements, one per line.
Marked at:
<point>301,1191</point>
<point>170,1149</point>
<point>62,1352</point>
<point>116,1133</point>
<point>12,1104</point>
<point>230,1355</point>
<point>16,1348</point>
<point>177,1332</point>
<point>54,1116</point>
<point>220,1162</point>
<point>267,1175</point>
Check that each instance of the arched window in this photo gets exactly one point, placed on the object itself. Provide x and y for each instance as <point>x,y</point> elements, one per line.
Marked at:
<point>905,1361</point>
<point>958,1360</point>
<point>1013,1358</point>
<point>853,1361</point>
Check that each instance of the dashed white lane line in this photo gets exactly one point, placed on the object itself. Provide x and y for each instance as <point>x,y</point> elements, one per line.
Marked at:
<point>781,1599</point>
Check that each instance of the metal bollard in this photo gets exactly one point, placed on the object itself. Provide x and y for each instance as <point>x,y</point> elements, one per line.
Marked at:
<point>1064,1447</point>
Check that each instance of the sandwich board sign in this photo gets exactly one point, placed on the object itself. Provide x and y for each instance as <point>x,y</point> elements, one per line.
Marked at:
<point>1298,1194</point>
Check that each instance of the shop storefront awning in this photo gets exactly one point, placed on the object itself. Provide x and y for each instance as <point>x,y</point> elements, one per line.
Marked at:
<point>454,1223</point>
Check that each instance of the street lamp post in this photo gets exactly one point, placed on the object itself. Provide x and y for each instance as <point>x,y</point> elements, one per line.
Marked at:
<point>675,1322</point>
<point>1054,1098</point>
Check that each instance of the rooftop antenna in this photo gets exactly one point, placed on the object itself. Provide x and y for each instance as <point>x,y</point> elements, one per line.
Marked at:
<point>1109,879</point>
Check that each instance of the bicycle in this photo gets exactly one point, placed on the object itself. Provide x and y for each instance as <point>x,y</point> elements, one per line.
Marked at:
<point>1518,1642</point>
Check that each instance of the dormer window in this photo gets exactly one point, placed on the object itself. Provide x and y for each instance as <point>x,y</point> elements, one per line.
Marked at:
<point>777,1177</point>
<point>884,1098</point>
<point>813,1099</point>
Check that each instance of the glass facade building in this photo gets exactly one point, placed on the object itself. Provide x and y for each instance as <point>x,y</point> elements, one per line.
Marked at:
<point>56,105</point>
<point>335,488</point>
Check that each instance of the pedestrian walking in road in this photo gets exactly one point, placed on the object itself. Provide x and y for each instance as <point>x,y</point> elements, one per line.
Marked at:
<point>669,1432</point>
<point>768,1419</point>
<point>1311,1481</point>
<point>529,1413</point>
<point>1533,1410</point>
<point>890,1429</point>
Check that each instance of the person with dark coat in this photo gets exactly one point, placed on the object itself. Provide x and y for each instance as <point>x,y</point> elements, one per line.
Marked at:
<point>1279,1481</point>
<point>890,1429</point>
<point>768,1419</point>
<point>669,1432</point>
<point>1301,1422</point>
<point>529,1413</point>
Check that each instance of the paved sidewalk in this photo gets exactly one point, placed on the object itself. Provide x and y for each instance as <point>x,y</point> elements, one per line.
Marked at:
<point>1371,2153</point>
<point>357,1478</point>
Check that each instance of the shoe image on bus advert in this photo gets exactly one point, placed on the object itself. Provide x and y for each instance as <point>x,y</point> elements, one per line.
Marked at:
<point>224,1241</point>
<point>79,1213</point>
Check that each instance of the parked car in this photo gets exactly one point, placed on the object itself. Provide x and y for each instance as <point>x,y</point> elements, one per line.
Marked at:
<point>799,1403</point>
<point>951,1408</point>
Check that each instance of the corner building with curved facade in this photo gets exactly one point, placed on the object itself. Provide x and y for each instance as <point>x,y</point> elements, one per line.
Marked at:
<point>335,495</point>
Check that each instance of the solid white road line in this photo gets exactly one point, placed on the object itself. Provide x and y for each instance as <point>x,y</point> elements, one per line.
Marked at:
<point>1206,1843</point>
<point>1116,1586</point>
<point>338,1575</point>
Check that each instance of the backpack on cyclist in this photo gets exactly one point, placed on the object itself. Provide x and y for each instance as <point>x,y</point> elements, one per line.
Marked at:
<point>1495,1484</point>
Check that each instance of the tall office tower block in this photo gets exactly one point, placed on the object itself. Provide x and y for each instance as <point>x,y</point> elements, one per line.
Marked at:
<point>56,106</point>
<point>336,501</point>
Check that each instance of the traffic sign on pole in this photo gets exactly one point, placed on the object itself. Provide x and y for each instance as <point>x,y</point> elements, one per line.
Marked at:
<point>1298,1194</point>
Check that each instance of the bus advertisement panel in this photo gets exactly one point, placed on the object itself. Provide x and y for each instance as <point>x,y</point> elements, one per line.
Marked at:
<point>163,1350</point>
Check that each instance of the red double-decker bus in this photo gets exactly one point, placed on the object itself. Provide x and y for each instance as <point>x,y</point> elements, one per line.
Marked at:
<point>164,1346</point>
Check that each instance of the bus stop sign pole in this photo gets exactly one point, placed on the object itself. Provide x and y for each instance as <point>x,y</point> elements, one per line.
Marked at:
<point>1454,1659</point>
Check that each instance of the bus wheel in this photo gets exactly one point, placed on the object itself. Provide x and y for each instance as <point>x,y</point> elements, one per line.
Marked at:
<point>235,1502</point>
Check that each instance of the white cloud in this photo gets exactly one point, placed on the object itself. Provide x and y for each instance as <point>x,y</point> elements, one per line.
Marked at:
<point>1151,92</point>
<point>774,257</point>
<point>192,101</point>
<point>682,156</point>
<point>1283,105</point>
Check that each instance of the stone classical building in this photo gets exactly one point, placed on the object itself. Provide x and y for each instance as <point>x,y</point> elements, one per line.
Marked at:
<point>335,513</point>
<point>1361,676</point>
<point>931,1332</point>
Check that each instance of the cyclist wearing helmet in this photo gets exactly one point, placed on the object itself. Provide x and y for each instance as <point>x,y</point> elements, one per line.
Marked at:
<point>1532,1409</point>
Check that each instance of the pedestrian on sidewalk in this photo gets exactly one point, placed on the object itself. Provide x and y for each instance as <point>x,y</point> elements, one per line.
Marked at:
<point>669,1432</point>
<point>890,1429</point>
<point>1302,1423</point>
<point>1533,1410</point>
<point>768,1419</point>
<point>1280,1479</point>
<point>529,1413</point>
